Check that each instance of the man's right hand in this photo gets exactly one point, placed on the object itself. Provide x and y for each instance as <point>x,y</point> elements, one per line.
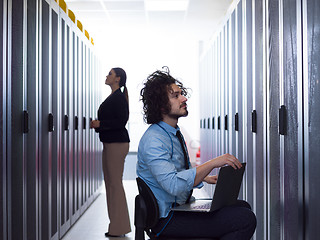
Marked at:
<point>227,159</point>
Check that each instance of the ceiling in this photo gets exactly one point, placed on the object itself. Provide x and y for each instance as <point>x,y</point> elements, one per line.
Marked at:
<point>102,17</point>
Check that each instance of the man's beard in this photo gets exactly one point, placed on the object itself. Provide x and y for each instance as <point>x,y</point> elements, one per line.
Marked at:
<point>177,116</point>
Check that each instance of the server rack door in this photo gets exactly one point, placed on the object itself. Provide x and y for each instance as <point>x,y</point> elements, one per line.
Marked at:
<point>219,95</point>
<point>247,102</point>
<point>205,82</point>
<point>15,141</point>
<point>89,115</point>
<point>56,111</point>
<point>211,98</point>
<point>84,133</point>
<point>208,83</point>
<point>203,144</point>
<point>32,125</point>
<point>273,101</point>
<point>222,90</point>
<point>226,118</point>
<point>258,79</point>
<point>215,101</point>
<point>239,88</point>
<point>291,223</point>
<point>86,128</point>
<point>208,107</point>
<point>233,73</point>
<point>75,171</point>
<point>80,131</point>
<point>67,129</point>
<point>312,116</point>
<point>70,65</point>
<point>90,112</point>
<point>202,109</point>
<point>64,134</point>
<point>46,122</point>
<point>205,111</point>
<point>3,174</point>
<point>90,107</point>
<point>64,130</point>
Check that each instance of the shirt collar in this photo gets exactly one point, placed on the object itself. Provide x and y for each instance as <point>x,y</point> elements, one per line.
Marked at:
<point>169,128</point>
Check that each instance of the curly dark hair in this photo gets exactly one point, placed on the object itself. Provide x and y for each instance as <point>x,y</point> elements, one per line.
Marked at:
<point>154,95</point>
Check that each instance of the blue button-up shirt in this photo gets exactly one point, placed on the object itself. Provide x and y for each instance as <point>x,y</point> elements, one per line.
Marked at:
<point>161,165</point>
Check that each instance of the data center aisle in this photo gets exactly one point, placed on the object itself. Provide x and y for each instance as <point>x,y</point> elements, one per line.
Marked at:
<point>94,222</point>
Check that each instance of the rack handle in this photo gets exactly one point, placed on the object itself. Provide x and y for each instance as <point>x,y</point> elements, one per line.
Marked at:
<point>84,122</point>
<point>66,122</point>
<point>76,123</point>
<point>226,122</point>
<point>212,122</point>
<point>236,118</point>
<point>25,121</point>
<point>282,120</point>
<point>254,121</point>
<point>50,122</point>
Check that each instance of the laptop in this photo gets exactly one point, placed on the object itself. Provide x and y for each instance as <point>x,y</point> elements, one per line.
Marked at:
<point>226,192</point>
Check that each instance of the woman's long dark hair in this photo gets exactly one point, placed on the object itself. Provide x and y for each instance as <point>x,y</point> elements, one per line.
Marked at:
<point>154,95</point>
<point>123,79</point>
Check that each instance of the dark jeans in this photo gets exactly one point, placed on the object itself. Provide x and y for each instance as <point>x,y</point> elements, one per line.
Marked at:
<point>232,222</point>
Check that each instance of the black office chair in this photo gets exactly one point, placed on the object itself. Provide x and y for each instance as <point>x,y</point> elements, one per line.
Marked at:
<point>147,213</point>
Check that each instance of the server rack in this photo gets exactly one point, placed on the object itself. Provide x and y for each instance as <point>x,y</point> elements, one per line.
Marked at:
<point>273,77</point>
<point>48,178</point>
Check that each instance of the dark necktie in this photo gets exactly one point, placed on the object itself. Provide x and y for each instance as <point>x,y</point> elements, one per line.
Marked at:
<point>185,154</point>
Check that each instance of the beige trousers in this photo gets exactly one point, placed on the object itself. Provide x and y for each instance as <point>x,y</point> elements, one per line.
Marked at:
<point>113,157</point>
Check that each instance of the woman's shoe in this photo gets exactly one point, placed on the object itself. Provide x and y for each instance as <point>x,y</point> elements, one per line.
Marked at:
<point>107,234</point>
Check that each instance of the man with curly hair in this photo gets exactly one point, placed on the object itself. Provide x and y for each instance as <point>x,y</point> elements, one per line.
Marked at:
<point>163,164</point>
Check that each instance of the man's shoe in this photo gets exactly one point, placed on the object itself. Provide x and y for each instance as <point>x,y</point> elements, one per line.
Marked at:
<point>107,234</point>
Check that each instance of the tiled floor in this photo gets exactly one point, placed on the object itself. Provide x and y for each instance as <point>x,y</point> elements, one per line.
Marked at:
<point>94,222</point>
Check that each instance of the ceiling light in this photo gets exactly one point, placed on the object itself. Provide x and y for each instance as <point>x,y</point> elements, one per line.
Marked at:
<point>166,5</point>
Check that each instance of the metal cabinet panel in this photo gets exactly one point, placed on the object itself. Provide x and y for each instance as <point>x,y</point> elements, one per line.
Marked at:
<point>258,101</point>
<point>45,137</point>
<point>233,74</point>
<point>15,105</point>
<point>227,95</point>
<point>75,171</point>
<point>71,114</point>
<point>239,89</point>
<point>291,224</point>
<point>312,116</point>
<point>274,184</point>
<point>221,81</point>
<point>55,104</point>
<point>64,213</point>
<point>32,93</point>
<point>218,87</point>
<point>3,162</point>
<point>80,127</point>
<point>248,99</point>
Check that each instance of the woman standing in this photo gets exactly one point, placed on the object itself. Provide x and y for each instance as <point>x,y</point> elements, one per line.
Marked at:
<point>113,115</point>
